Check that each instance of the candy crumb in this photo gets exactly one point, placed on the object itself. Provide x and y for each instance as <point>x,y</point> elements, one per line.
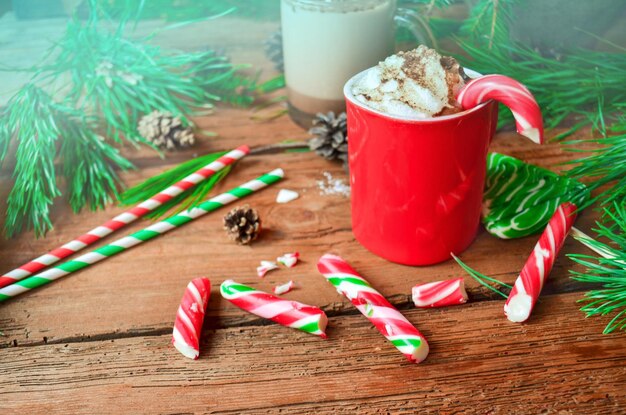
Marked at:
<point>284,288</point>
<point>286,196</point>
<point>289,259</point>
<point>333,186</point>
<point>265,267</point>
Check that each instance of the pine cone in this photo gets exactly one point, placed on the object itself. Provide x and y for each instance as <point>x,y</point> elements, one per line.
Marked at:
<point>274,50</point>
<point>331,141</point>
<point>243,224</point>
<point>165,131</point>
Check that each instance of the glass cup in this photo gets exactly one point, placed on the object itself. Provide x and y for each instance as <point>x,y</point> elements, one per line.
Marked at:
<point>325,42</point>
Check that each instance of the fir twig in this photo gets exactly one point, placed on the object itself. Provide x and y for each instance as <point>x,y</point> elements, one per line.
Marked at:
<point>493,15</point>
<point>483,279</point>
<point>187,199</point>
<point>89,166</point>
<point>37,124</point>
<point>122,80</point>
<point>607,270</point>
<point>110,82</point>
<point>605,165</point>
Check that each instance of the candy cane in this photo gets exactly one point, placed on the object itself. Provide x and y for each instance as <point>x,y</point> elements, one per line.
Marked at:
<point>511,93</point>
<point>440,293</point>
<point>190,316</point>
<point>288,313</point>
<point>393,325</point>
<point>528,285</point>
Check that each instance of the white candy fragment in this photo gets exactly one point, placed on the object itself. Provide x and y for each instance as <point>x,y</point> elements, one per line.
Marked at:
<point>284,288</point>
<point>289,259</point>
<point>286,195</point>
<point>265,267</point>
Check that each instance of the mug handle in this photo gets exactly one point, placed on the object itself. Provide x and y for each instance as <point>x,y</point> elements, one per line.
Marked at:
<point>416,25</point>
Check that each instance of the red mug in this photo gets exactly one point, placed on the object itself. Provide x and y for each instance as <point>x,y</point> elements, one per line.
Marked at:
<point>417,184</point>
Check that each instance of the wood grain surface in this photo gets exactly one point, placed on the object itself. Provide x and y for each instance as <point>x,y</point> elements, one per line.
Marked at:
<point>479,363</point>
<point>98,341</point>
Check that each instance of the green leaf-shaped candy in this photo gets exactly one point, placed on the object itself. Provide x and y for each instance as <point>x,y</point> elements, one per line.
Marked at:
<point>520,198</point>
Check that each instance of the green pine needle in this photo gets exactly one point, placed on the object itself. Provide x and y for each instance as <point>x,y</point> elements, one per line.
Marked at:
<point>578,82</point>
<point>605,166</point>
<point>608,271</point>
<point>30,119</point>
<point>122,80</point>
<point>488,23</point>
<point>483,279</point>
<point>89,166</point>
<point>108,83</point>
<point>185,200</point>
<point>37,124</point>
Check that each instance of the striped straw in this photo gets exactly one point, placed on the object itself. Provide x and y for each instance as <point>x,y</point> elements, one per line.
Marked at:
<point>122,219</point>
<point>138,237</point>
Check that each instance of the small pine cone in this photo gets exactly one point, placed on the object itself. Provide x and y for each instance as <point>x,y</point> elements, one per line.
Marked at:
<point>165,131</point>
<point>243,224</point>
<point>331,138</point>
<point>274,50</point>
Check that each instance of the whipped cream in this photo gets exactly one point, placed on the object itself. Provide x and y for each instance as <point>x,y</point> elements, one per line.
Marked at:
<point>418,84</point>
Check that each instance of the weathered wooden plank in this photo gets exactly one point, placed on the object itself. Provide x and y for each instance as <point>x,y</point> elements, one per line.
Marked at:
<point>141,288</point>
<point>557,363</point>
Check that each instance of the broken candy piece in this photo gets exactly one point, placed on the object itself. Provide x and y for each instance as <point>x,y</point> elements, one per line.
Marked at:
<point>284,288</point>
<point>286,195</point>
<point>289,259</point>
<point>265,267</point>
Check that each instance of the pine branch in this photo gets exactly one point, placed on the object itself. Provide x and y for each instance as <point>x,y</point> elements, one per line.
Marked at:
<point>606,165</point>
<point>483,279</point>
<point>185,200</point>
<point>493,15</point>
<point>121,80</point>
<point>29,119</point>
<point>111,82</point>
<point>38,124</point>
<point>89,166</point>
<point>607,270</point>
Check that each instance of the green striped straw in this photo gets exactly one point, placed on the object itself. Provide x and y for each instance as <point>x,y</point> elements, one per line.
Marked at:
<point>139,237</point>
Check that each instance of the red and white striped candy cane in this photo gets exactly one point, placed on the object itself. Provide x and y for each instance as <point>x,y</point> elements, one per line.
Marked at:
<point>440,293</point>
<point>510,93</point>
<point>528,285</point>
<point>122,219</point>
<point>190,316</point>
<point>391,324</point>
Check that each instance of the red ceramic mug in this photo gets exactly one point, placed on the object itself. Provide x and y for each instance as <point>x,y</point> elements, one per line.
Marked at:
<point>417,185</point>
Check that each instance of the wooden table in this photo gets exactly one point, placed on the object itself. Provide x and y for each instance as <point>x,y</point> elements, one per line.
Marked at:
<point>99,341</point>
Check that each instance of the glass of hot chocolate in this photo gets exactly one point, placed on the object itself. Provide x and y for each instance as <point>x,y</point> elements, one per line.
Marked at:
<point>325,42</point>
<point>417,159</point>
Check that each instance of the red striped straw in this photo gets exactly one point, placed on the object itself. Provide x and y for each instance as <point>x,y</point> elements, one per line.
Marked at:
<point>123,219</point>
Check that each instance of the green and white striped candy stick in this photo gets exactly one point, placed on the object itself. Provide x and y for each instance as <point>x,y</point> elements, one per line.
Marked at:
<point>389,321</point>
<point>289,313</point>
<point>139,237</point>
<point>520,198</point>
